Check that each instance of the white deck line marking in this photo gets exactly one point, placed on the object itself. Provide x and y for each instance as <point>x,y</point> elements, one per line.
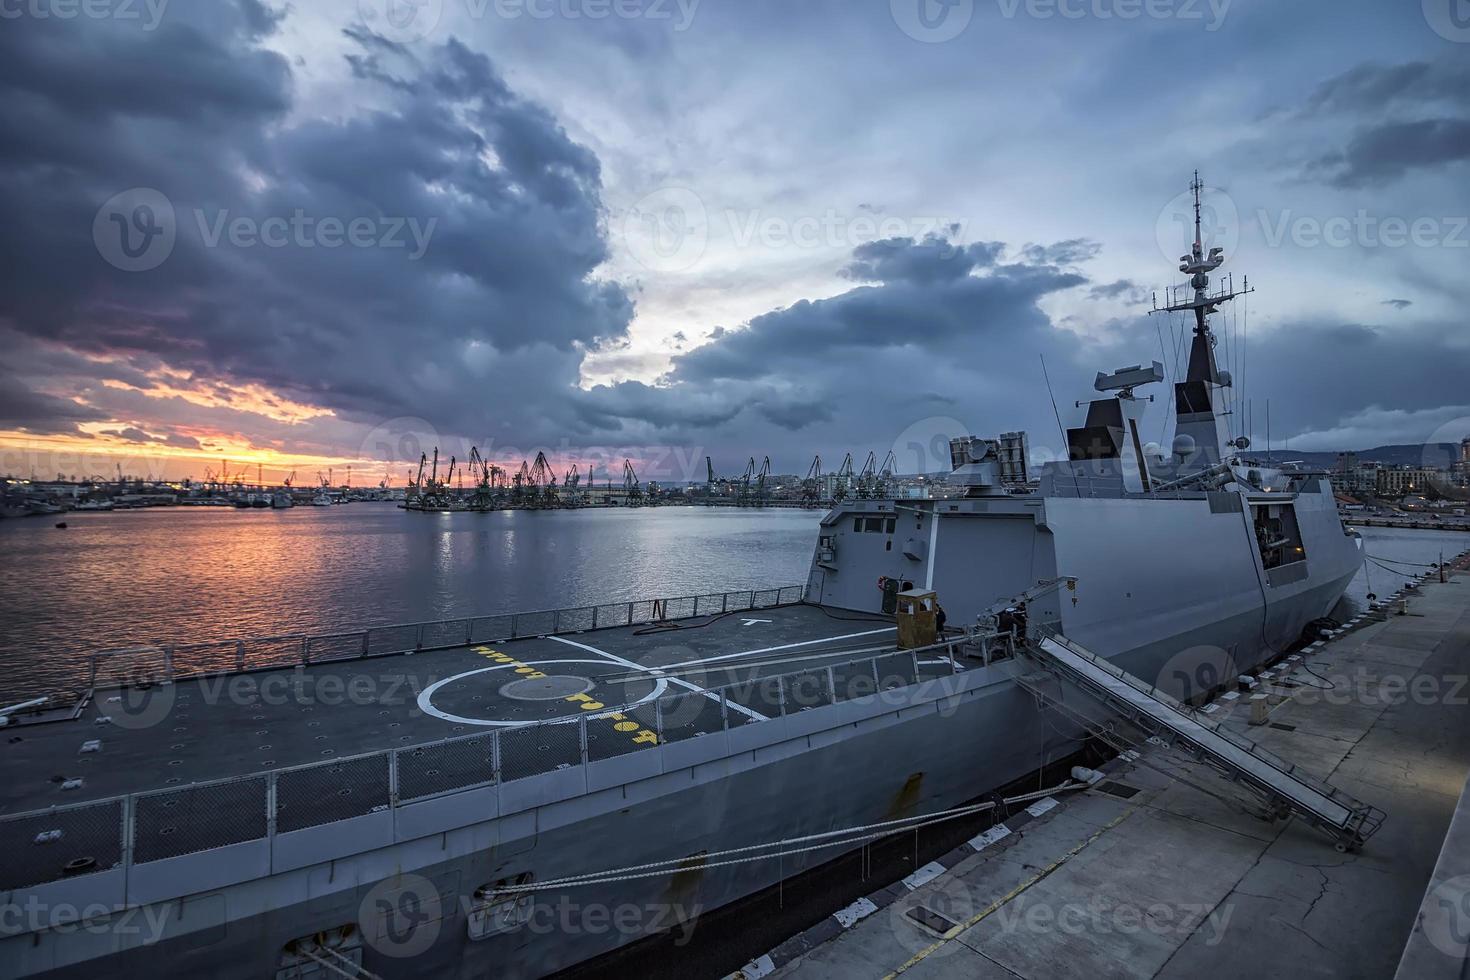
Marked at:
<point>1041,806</point>
<point>426,703</point>
<point>924,875</point>
<point>784,646</point>
<point>998,832</point>
<point>854,913</point>
<point>659,673</point>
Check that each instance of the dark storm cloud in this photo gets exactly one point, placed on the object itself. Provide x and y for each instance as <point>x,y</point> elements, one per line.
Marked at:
<point>863,364</point>
<point>134,434</point>
<point>1373,87</point>
<point>474,292</point>
<point>40,413</point>
<point>1380,145</point>
<point>934,259</point>
<point>1380,154</point>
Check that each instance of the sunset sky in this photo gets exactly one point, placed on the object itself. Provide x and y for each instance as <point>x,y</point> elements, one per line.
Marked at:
<point>329,233</point>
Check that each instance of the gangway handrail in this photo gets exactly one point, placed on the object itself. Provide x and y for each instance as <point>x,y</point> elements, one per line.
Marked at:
<point>1361,820</point>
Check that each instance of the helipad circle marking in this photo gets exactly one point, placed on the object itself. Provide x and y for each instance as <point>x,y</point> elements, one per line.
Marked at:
<point>426,697</point>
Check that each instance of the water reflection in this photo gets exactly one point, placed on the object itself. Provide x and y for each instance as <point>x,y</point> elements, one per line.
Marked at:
<point>114,579</point>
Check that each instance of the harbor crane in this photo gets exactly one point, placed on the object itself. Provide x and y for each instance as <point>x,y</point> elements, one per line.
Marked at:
<point>632,489</point>
<point>842,485</point>
<point>811,487</point>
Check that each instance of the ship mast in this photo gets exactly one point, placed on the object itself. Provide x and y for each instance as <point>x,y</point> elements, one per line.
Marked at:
<point>1198,442</point>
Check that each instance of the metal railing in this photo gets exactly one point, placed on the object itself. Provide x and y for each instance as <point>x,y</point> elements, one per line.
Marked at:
<point>47,845</point>
<point>178,661</point>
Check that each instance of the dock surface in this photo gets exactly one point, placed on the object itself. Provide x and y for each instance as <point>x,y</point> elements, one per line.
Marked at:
<point>1165,869</point>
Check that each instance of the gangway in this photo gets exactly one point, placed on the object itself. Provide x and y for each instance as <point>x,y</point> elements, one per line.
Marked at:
<point>1287,789</point>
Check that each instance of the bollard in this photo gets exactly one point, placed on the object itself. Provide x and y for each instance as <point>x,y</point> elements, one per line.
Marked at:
<point>1259,709</point>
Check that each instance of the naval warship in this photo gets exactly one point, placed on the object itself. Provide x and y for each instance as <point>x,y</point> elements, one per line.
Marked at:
<point>513,795</point>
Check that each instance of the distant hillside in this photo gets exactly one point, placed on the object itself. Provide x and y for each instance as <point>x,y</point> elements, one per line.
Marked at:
<point>1428,454</point>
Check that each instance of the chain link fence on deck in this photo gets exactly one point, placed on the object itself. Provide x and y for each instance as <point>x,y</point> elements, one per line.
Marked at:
<point>331,791</point>
<point>64,842</point>
<point>199,818</point>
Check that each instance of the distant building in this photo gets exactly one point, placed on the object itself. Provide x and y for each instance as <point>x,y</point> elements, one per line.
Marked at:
<point>1401,480</point>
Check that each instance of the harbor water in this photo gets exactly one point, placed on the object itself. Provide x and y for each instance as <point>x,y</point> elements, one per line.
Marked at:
<point>194,574</point>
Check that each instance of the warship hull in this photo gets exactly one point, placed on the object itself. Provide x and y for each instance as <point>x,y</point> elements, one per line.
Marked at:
<point>1173,591</point>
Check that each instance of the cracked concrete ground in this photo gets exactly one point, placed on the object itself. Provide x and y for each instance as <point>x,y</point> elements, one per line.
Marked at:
<point>1185,879</point>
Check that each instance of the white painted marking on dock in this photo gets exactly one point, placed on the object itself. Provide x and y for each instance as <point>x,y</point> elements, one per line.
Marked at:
<point>854,913</point>
<point>999,832</point>
<point>1210,709</point>
<point>426,696</point>
<point>659,673</point>
<point>1230,695</point>
<point>1041,806</point>
<point>784,646</point>
<point>924,875</point>
<point>757,968</point>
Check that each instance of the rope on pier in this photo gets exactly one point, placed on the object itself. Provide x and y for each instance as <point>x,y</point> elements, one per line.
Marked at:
<point>844,836</point>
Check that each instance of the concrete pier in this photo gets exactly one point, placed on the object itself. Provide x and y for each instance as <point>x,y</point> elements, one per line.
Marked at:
<point>1166,869</point>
